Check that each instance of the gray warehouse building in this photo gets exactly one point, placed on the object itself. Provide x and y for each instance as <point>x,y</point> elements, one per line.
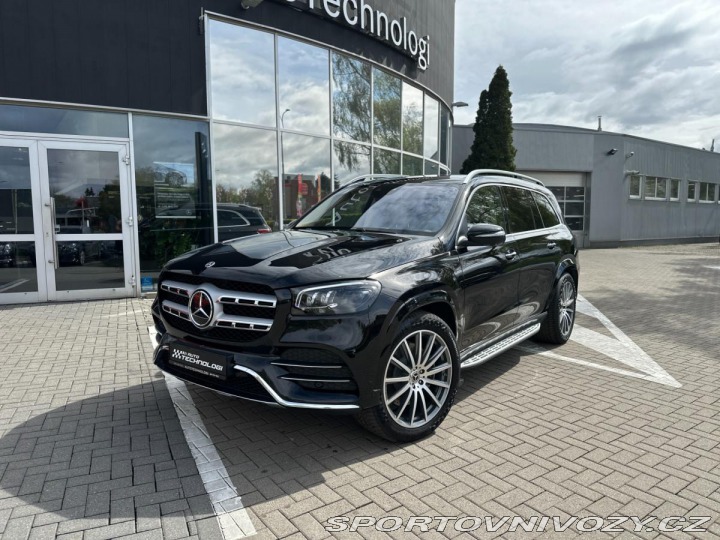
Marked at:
<point>617,189</point>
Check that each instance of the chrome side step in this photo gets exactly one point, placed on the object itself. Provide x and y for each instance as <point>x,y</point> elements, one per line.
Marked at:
<point>500,347</point>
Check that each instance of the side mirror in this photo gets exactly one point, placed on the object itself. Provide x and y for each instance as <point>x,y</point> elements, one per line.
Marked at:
<point>485,234</point>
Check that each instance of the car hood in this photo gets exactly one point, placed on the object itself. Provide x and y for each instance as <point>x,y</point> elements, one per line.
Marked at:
<point>292,258</point>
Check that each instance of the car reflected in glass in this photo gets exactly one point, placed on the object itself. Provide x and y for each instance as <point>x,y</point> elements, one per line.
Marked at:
<point>14,254</point>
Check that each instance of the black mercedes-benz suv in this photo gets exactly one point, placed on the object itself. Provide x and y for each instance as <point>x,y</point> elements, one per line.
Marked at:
<point>375,300</point>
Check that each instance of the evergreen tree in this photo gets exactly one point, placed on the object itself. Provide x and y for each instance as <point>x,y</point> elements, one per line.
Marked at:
<point>493,147</point>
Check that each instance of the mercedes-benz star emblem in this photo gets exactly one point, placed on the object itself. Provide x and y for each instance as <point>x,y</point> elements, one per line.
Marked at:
<point>210,264</point>
<point>201,309</point>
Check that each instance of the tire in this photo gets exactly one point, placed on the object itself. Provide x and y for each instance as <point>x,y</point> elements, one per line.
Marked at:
<point>430,385</point>
<point>558,325</point>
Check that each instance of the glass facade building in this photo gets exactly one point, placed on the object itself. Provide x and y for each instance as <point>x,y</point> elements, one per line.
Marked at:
<point>186,134</point>
<point>292,121</point>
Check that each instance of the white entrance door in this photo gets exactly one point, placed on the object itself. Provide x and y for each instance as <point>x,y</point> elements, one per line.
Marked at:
<point>20,223</point>
<point>69,203</point>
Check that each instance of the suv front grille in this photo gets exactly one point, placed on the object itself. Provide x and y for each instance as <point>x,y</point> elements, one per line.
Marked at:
<point>242,313</point>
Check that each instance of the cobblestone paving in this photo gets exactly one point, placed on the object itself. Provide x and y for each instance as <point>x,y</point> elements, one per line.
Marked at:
<point>90,445</point>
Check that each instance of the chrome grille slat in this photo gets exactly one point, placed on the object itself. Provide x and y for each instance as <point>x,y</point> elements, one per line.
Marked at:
<point>254,303</point>
<point>176,309</point>
<point>248,299</point>
<point>308,366</point>
<point>306,379</point>
<point>177,288</point>
<point>245,323</point>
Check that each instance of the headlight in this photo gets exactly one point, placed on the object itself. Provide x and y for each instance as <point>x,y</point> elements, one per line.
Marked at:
<point>339,299</point>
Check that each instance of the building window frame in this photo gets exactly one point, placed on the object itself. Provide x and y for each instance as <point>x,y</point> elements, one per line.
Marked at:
<point>707,192</point>
<point>654,183</point>
<point>695,191</point>
<point>636,195</point>
<point>677,183</point>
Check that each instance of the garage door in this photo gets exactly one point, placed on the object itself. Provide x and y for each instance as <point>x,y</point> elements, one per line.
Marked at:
<point>569,190</point>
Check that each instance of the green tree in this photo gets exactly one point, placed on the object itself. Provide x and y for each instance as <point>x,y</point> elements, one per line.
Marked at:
<point>493,147</point>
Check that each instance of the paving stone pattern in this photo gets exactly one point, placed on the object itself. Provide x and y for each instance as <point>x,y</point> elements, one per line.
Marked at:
<point>91,447</point>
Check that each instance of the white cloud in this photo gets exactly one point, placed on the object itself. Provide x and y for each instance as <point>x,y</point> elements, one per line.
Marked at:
<point>649,67</point>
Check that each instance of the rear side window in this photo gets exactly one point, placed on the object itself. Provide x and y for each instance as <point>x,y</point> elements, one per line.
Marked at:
<point>253,216</point>
<point>487,206</point>
<point>523,214</point>
<point>547,212</point>
<point>228,218</point>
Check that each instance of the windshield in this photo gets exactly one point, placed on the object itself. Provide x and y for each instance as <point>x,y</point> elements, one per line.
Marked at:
<point>395,207</point>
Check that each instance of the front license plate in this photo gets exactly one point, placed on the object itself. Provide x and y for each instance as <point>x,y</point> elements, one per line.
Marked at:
<point>199,360</point>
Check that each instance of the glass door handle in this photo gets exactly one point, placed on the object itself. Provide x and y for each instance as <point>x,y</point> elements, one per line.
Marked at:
<point>53,222</point>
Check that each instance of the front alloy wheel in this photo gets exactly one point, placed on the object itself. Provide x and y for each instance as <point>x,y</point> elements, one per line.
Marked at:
<point>417,379</point>
<point>420,379</point>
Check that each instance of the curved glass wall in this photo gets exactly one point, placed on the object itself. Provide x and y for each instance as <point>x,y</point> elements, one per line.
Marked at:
<point>432,111</point>
<point>303,87</point>
<point>351,100</point>
<point>245,163</point>
<point>306,173</point>
<point>350,160</point>
<point>295,120</point>
<point>173,189</point>
<point>242,87</point>
<point>386,109</point>
<point>412,119</point>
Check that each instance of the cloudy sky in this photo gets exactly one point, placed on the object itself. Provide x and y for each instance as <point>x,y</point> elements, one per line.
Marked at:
<point>649,67</point>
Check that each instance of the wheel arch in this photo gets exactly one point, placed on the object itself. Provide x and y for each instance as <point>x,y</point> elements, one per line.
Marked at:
<point>438,302</point>
<point>567,266</point>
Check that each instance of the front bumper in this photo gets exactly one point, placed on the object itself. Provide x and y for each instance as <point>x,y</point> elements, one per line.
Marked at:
<point>262,378</point>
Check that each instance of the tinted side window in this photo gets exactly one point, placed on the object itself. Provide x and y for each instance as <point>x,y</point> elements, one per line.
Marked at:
<point>227,218</point>
<point>253,216</point>
<point>486,206</point>
<point>547,212</point>
<point>523,214</point>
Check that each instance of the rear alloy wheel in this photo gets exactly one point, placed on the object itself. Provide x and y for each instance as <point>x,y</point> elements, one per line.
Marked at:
<point>419,383</point>
<point>558,325</point>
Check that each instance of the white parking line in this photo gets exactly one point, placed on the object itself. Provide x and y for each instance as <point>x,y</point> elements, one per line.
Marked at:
<point>231,514</point>
<point>619,347</point>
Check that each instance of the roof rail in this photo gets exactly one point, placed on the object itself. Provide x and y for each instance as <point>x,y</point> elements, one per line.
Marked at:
<point>497,172</point>
<point>374,176</point>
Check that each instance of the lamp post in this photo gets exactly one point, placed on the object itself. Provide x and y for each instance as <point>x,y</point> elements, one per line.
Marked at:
<point>282,118</point>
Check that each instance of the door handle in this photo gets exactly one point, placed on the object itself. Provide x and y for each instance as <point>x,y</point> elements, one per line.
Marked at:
<point>510,255</point>
<point>53,221</point>
<point>551,245</point>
